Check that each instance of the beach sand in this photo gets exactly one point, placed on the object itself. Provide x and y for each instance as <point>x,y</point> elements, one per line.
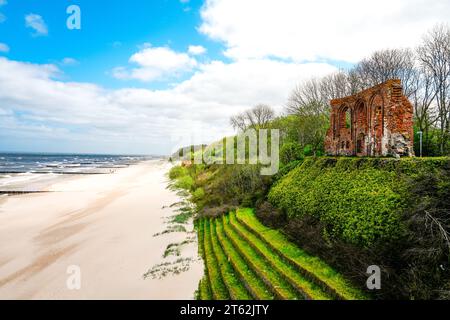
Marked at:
<point>105,225</point>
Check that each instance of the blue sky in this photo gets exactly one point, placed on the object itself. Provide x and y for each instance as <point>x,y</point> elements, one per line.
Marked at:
<point>150,76</point>
<point>111,31</point>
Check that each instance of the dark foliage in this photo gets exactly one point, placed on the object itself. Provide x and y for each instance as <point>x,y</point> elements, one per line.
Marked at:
<point>414,265</point>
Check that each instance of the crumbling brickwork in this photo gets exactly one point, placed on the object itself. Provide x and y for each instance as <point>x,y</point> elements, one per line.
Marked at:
<point>374,122</point>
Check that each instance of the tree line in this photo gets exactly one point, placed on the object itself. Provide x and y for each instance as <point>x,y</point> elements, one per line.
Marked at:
<point>425,75</point>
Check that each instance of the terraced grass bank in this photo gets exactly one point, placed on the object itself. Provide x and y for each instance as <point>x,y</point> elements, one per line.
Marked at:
<point>246,260</point>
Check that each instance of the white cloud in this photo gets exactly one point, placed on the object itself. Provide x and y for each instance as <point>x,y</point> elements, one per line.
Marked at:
<point>196,50</point>
<point>155,64</point>
<point>301,30</point>
<point>37,23</point>
<point>244,83</point>
<point>161,57</point>
<point>69,61</point>
<point>130,120</point>
<point>4,47</point>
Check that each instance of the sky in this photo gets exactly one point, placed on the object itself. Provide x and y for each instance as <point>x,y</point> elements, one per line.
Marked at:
<point>146,77</point>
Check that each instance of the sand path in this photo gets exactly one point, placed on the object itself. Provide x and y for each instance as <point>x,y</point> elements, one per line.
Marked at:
<point>105,225</point>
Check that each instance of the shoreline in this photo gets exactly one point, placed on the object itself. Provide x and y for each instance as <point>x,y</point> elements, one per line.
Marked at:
<point>35,172</point>
<point>105,224</point>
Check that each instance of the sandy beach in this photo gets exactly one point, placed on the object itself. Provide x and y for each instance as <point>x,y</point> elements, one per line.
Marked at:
<point>103,224</point>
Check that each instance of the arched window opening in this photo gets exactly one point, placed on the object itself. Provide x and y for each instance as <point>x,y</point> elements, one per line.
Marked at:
<point>348,119</point>
<point>361,115</point>
<point>345,118</point>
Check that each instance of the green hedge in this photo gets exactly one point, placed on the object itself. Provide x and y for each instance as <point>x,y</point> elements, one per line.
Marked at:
<point>359,200</point>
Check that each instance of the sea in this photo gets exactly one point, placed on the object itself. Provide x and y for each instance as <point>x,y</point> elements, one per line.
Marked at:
<point>27,172</point>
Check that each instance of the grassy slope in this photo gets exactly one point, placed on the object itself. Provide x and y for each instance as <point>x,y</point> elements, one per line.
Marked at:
<point>317,268</point>
<point>219,290</point>
<point>271,277</point>
<point>290,273</point>
<point>204,292</point>
<point>235,287</point>
<point>252,282</point>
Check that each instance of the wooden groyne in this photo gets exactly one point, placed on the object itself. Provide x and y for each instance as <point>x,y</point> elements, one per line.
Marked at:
<point>12,193</point>
<point>50,172</point>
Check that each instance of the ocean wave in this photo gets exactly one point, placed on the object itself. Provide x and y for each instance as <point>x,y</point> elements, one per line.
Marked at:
<point>41,163</point>
<point>19,180</point>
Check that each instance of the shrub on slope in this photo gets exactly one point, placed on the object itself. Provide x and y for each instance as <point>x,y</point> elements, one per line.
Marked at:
<point>360,201</point>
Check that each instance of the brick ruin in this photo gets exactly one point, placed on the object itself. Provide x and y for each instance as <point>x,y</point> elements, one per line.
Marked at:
<point>374,122</point>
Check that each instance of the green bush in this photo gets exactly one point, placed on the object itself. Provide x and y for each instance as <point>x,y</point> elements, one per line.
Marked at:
<point>307,150</point>
<point>287,168</point>
<point>184,182</point>
<point>360,201</point>
<point>198,194</point>
<point>289,152</point>
<point>177,171</point>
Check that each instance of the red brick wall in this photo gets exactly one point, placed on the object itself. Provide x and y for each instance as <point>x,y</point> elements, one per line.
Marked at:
<point>381,123</point>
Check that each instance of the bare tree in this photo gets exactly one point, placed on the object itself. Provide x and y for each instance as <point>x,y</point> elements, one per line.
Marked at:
<point>306,98</point>
<point>312,97</point>
<point>258,117</point>
<point>336,85</point>
<point>238,122</point>
<point>309,101</point>
<point>423,101</point>
<point>434,55</point>
<point>387,64</point>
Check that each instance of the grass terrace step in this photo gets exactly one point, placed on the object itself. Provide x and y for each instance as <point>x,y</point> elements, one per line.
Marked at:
<point>252,282</point>
<point>312,267</point>
<point>280,287</point>
<point>218,288</point>
<point>200,226</point>
<point>204,292</point>
<point>204,289</point>
<point>234,285</point>
<point>304,286</point>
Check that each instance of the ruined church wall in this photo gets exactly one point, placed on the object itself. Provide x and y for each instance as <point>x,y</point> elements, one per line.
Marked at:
<point>375,122</point>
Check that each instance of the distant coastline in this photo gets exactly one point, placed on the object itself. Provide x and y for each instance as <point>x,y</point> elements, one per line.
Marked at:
<point>34,172</point>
